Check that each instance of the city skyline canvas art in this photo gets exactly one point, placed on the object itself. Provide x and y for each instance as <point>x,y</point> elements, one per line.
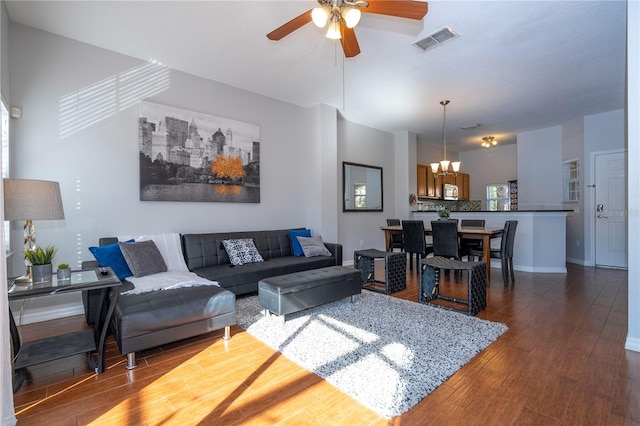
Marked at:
<point>192,156</point>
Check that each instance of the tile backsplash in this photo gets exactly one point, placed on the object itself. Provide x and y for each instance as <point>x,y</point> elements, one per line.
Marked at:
<point>451,205</point>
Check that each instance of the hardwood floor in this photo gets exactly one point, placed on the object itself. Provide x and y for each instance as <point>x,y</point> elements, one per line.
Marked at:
<point>562,362</point>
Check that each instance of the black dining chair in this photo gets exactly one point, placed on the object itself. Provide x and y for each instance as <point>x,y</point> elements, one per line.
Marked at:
<point>445,240</point>
<point>396,240</point>
<point>468,244</point>
<point>505,252</point>
<point>414,241</point>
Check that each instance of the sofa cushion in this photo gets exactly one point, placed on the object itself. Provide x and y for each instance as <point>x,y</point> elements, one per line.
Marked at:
<point>204,250</point>
<point>295,244</point>
<point>313,247</point>
<point>244,279</point>
<point>111,256</point>
<point>140,314</point>
<point>241,251</point>
<point>143,258</point>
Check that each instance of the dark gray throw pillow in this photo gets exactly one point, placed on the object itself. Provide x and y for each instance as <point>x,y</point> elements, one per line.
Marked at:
<point>313,246</point>
<point>143,258</point>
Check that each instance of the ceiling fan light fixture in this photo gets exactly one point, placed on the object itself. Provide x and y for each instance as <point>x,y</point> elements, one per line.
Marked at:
<point>319,16</point>
<point>334,28</point>
<point>489,142</point>
<point>351,16</point>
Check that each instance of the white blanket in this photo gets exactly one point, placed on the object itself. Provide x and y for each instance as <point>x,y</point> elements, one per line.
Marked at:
<point>166,281</point>
<point>177,275</point>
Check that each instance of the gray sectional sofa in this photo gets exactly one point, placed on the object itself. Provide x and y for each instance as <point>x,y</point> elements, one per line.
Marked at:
<point>147,320</point>
<point>205,255</point>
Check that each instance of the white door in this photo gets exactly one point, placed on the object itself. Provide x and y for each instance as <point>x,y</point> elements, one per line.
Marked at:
<point>611,207</point>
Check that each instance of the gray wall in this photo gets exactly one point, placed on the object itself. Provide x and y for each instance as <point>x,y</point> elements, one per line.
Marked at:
<point>489,166</point>
<point>365,145</point>
<point>96,159</point>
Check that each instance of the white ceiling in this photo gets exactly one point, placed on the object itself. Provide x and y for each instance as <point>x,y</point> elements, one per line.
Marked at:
<point>517,65</point>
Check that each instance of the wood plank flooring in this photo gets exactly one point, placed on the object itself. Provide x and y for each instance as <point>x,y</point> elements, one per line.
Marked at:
<point>562,362</point>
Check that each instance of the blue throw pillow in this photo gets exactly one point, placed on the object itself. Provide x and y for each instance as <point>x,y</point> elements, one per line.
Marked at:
<point>294,234</point>
<point>111,256</point>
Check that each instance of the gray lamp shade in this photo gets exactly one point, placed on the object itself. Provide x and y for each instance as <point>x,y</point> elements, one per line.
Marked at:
<point>26,199</point>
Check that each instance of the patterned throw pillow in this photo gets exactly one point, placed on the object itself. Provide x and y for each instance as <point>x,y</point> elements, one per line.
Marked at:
<point>242,251</point>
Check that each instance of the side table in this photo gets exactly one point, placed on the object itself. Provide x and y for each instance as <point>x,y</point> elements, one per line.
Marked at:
<point>395,267</point>
<point>61,346</point>
<point>429,280</point>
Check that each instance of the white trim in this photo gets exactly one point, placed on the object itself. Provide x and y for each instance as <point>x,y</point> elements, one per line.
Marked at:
<point>632,344</point>
<point>581,262</point>
<point>589,201</point>
<point>537,270</point>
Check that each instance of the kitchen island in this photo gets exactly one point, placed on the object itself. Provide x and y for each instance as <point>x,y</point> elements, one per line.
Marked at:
<point>540,244</point>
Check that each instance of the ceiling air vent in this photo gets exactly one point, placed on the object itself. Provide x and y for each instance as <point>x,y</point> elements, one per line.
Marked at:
<point>435,39</point>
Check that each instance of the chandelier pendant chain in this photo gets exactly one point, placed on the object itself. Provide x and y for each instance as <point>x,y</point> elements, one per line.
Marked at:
<point>444,127</point>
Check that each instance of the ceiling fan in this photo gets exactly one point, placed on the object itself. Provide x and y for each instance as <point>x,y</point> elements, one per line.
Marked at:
<point>343,15</point>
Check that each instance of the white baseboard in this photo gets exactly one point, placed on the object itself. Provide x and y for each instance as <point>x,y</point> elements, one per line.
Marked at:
<point>632,344</point>
<point>30,315</point>
<point>545,270</point>
<point>580,262</point>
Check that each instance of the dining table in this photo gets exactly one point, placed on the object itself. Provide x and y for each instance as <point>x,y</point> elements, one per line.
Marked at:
<point>485,234</point>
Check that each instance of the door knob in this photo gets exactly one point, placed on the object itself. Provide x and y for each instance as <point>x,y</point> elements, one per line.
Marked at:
<point>600,210</point>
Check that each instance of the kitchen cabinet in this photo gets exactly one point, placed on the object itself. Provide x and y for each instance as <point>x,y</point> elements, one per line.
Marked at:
<point>431,186</point>
<point>434,184</point>
<point>449,178</point>
<point>462,180</point>
<point>422,180</point>
<point>437,186</point>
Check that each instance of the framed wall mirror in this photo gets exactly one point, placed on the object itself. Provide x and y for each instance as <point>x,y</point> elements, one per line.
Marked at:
<point>361,188</point>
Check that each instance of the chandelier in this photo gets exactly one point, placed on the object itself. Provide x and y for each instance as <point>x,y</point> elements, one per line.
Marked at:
<point>443,166</point>
<point>335,10</point>
<point>488,142</point>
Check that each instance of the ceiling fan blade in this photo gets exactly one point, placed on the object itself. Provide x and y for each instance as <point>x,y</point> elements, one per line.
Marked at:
<point>349,42</point>
<point>401,8</point>
<point>290,26</point>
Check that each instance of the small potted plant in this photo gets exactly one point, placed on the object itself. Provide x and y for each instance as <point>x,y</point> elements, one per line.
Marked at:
<point>40,259</point>
<point>444,214</point>
<point>64,272</point>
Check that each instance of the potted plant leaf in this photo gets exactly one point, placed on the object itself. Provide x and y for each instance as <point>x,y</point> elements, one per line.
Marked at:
<point>64,272</point>
<point>40,259</point>
<point>444,214</point>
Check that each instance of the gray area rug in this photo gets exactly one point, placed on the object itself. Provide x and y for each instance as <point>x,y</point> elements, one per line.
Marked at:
<point>385,352</point>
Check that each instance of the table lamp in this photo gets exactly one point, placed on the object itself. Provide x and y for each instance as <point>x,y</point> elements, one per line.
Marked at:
<point>29,200</point>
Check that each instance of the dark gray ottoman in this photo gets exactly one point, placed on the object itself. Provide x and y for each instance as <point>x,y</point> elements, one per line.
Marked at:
<point>286,294</point>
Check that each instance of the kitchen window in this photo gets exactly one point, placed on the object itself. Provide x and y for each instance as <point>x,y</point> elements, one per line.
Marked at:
<point>571,181</point>
<point>498,197</point>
